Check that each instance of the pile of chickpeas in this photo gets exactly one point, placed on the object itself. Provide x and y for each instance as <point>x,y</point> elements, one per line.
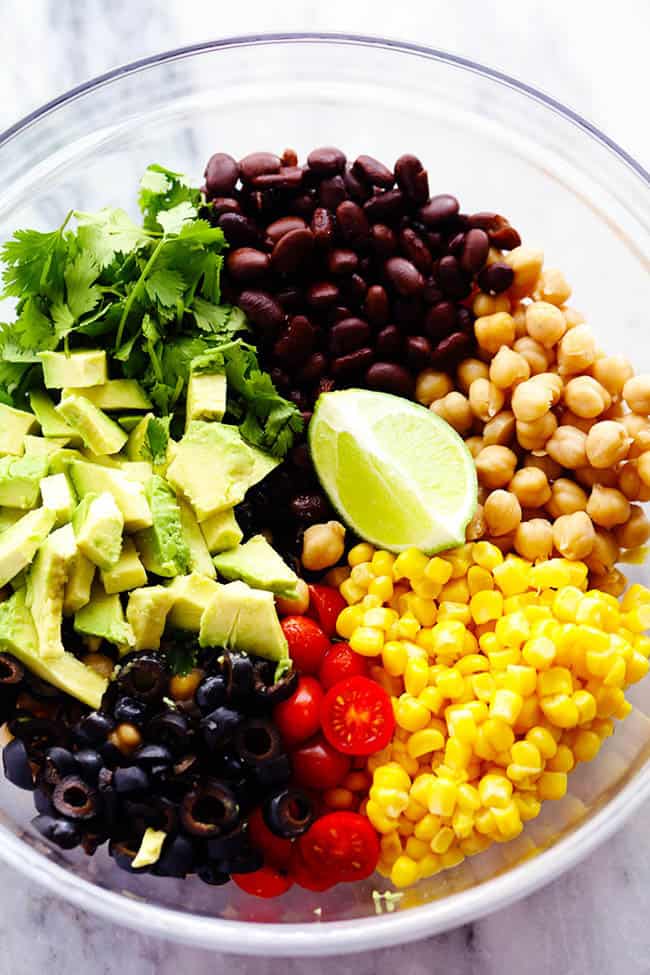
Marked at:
<point>559,430</point>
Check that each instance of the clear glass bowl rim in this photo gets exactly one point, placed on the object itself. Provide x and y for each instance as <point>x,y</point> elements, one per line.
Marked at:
<point>359,934</point>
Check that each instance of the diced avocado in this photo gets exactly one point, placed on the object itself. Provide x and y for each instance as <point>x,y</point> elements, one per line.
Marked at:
<point>206,396</point>
<point>192,593</point>
<point>129,495</point>
<point>150,848</point>
<point>103,616</point>
<point>162,547</point>
<point>52,423</point>
<point>61,459</point>
<point>212,467</point>
<point>44,446</point>
<point>129,421</point>
<point>9,517</point>
<point>147,611</point>
<point>20,542</point>
<point>137,438</point>
<point>20,480</point>
<point>258,564</point>
<point>241,618</point>
<point>99,433</point>
<point>127,573</point>
<point>200,560</point>
<point>18,637</point>
<point>98,525</point>
<point>221,531</point>
<point>263,464</point>
<point>137,470</point>
<point>114,394</point>
<point>46,586</point>
<point>80,579</point>
<point>76,369</point>
<point>58,496</point>
<point>14,426</point>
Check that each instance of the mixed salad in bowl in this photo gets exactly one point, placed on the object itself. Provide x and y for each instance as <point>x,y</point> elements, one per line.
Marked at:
<point>313,492</point>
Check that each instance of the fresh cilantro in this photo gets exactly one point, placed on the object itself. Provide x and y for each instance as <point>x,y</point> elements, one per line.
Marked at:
<point>34,262</point>
<point>157,439</point>
<point>107,233</point>
<point>81,290</point>
<point>181,651</point>
<point>167,200</point>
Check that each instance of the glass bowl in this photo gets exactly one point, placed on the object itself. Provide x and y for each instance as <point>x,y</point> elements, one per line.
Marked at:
<point>497,145</point>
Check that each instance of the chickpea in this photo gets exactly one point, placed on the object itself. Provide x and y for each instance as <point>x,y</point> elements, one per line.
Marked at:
<point>589,476</point>
<point>495,466</point>
<point>500,429</point>
<point>490,304</point>
<point>508,368</point>
<point>636,530</point>
<point>534,435</point>
<point>531,400</point>
<point>607,506</point>
<point>531,487</point>
<point>183,686</point>
<point>571,419</point>
<point>612,372</point>
<point>126,737</point>
<point>553,286</point>
<point>474,445</point>
<point>504,542</point>
<point>534,539</point>
<point>606,444</point>
<point>485,399</point>
<point>615,412</point>
<point>519,315</point>
<point>468,371</point>
<point>527,265</point>
<point>297,606</point>
<point>323,545</point>
<point>537,357</point>
<point>613,582</point>
<point>100,663</point>
<point>551,468</point>
<point>336,576</point>
<point>552,382</point>
<point>545,323</point>
<point>638,429</point>
<point>572,316</point>
<point>636,393</point>
<point>431,385</point>
<point>493,331</point>
<point>567,497</point>
<point>577,350</point>
<point>502,512</point>
<point>455,409</point>
<point>605,553</point>
<point>477,526</point>
<point>586,397</point>
<point>574,535</point>
<point>568,447</point>
<point>631,484</point>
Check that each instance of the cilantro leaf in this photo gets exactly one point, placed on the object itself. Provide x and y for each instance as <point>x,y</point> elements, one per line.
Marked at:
<point>222,320</point>
<point>33,330</point>
<point>181,651</point>
<point>108,232</point>
<point>164,190</point>
<point>157,439</point>
<point>80,276</point>
<point>34,263</point>
<point>164,286</point>
<point>172,221</point>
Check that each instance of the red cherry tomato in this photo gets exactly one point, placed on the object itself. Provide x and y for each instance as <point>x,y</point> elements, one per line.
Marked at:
<point>339,662</point>
<point>307,643</point>
<point>357,716</point>
<point>298,718</point>
<point>276,850</point>
<point>302,875</point>
<point>325,604</point>
<point>316,765</point>
<point>265,882</point>
<point>343,843</point>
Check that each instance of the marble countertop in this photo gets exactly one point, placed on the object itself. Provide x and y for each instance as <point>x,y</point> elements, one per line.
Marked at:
<point>594,919</point>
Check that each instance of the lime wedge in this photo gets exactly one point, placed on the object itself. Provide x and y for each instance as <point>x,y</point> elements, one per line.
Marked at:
<point>398,475</point>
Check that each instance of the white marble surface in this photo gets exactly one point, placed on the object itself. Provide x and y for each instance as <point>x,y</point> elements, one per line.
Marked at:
<point>592,57</point>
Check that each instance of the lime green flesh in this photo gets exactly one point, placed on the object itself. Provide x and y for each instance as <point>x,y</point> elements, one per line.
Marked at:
<point>397,473</point>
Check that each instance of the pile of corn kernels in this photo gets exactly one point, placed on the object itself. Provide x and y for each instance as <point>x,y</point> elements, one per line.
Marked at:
<point>503,675</point>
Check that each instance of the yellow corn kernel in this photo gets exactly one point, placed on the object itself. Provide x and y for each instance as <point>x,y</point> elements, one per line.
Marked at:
<point>636,667</point>
<point>506,705</point>
<point>378,818</point>
<point>478,710</point>
<point>473,663</point>
<point>348,620</point>
<point>638,619</point>
<point>442,797</point>
<point>489,642</point>
<point>393,802</point>
<point>462,823</point>
<point>427,827</point>
<point>351,592</point>
<point>586,745</point>
<point>407,626</point>
<point>615,676</point>
<point>460,560</point>
<point>404,872</point>
<point>382,586</point>
<point>367,641</point>
<point>474,844</point>
<point>380,619</point>
<point>451,858</point>
<point>425,741</point>
<point>529,716</point>
<point>623,708</point>
<point>556,680</point>
<point>409,565</point>
<point>382,563</point>
<point>486,605</point>
<point>494,791</point>
<point>513,575</point>
<point>484,822</point>
<point>416,675</point>
<point>562,761</point>
<point>450,683</point>
<point>391,847</point>
<point>483,686</point>
<point>566,602</point>
<point>487,555</point>
<point>442,840</point>
<point>360,553</point>
<point>449,637</point>
<point>425,589</point>
<point>468,797</point>
<point>410,713</point>
<point>462,726</point>
<point>457,754</point>
<point>520,679</point>
<point>512,630</point>
<point>370,602</point>
<point>429,865</point>
<point>507,820</point>
<point>543,741</point>
<point>552,785</point>
<point>498,734</point>
<point>528,805</point>
<point>637,595</point>
<point>560,710</point>
<point>526,754</point>
<point>479,579</point>
<point>392,776</point>
<point>410,765</point>
<point>539,652</point>
<point>394,658</point>
<point>362,575</point>
<point>540,617</point>
<point>448,610</point>
<point>519,602</point>
<point>438,570</point>
<point>416,849</point>
<point>455,591</point>
<point>424,610</point>
<point>552,574</point>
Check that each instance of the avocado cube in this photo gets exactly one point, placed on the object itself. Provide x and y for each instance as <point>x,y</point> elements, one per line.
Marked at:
<point>45,589</point>
<point>114,394</point>
<point>78,586</point>
<point>192,593</point>
<point>52,423</point>
<point>61,459</point>
<point>9,517</point>
<point>103,616</point>
<point>263,464</point>
<point>98,524</point>
<point>147,611</point>
<point>20,480</point>
<point>206,396</point>
<point>150,848</point>
<point>58,496</point>
<point>199,560</point>
<point>18,636</point>
<point>162,547</point>
<point>44,446</point>
<point>135,447</point>
<point>20,542</point>
<point>245,619</point>
<point>221,531</point>
<point>14,427</point>
<point>137,470</point>
<point>99,433</point>
<point>211,468</point>
<point>258,564</point>
<point>129,421</point>
<point>129,495</point>
<point>82,368</point>
<point>127,573</point>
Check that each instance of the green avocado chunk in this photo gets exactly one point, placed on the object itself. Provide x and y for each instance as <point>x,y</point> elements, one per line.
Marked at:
<point>46,587</point>
<point>191,593</point>
<point>206,396</point>
<point>240,618</point>
<point>82,368</point>
<point>78,586</point>
<point>58,496</point>
<point>162,547</point>
<point>20,480</point>
<point>52,423</point>
<point>98,525</point>
<point>221,531</point>
<point>258,564</point>
<point>20,542</point>
<point>18,637</point>
<point>114,394</point>
<point>99,433</point>
<point>147,611</point>
<point>103,616</point>
<point>44,446</point>
<point>127,573</point>
<point>200,560</point>
<point>14,427</point>
<point>128,493</point>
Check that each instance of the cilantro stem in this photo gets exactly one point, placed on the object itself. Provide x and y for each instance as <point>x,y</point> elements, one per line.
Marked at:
<point>128,304</point>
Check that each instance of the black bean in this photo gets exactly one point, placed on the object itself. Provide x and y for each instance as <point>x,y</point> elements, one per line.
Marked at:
<point>495,278</point>
<point>326,160</point>
<point>456,244</point>
<point>177,857</point>
<point>262,309</point>
<point>404,276</point>
<point>221,175</point>
<point>372,171</point>
<point>346,366</point>
<point>283,226</point>
<point>440,319</point>
<point>322,227</point>
<point>418,351</point>
<point>308,509</point>
<point>352,222</point>
<point>257,164</point>
<point>130,780</point>
<point>223,204</point>
<point>313,369</point>
<point>389,343</point>
<point>408,313</point>
<point>331,192</point>
<point>412,178</point>
<point>438,210</point>
<point>170,728</point>
<point>354,290</point>
<point>89,764</point>
<point>431,294</point>
<point>296,342</point>
<point>130,710</point>
<point>291,299</point>
<point>414,248</point>
<point>74,798</point>
<point>211,874</point>
<point>219,726</point>
<point>342,260</point>
<point>356,188</point>
<point>385,207</point>
<point>246,264</point>
<point>292,250</point>
<point>289,178</point>
<point>475,250</point>
<point>239,230</point>
<point>390,378</point>
<point>435,242</point>
<point>302,205</point>
<point>322,294</point>
<point>383,241</point>
<point>464,320</point>
<point>451,279</point>
<point>348,335</point>
<point>59,831</point>
<point>376,305</point>
<point>16,767</point>
<point>151,755</point>
<point>59,762</point>
<point>95,727</point>
<point>451,350</point>
<point>498,228</point>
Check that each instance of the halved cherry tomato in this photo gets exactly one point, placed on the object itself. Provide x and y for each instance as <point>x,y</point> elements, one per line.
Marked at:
<point>307,643</point>
<point>357,716</point>
<point>298,718</point>
<point>316,765</point>
<point>342,843</point>
<point>302,875</point>
<point>265,882</point>
<point>325,604</point>
<point>339,662</point>
<point>277,851</point>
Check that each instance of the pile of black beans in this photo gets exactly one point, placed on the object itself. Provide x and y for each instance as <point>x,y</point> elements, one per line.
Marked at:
<point>194,768</point>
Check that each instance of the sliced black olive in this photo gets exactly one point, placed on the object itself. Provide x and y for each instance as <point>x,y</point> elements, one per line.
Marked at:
<point>267,691</point>
<point>130,710</point>
<point>219,726</point>
<point>43,801</point>
<point>247,861</point>
<point>124,853</point>
<point>89,764</point>
<point>273,774</point>
<point>257,741</point>
<point>144,677</point>
<point>94,728</point>
<point>38,734</point>
<point>210,873</point>
<point>229,844</point>
<point>150,755</point>
<point>15,762</point>
<point>59,762</point>
<point>177,857</point>
<point>170,728</point>
<point>237,669</point>
<point>60,831</point>
<point>211,693</point>
<point>289,813</point>
<point>209,810</point>
<point>110,802</point>
<point>74,798</point>
<point>130,780</point>
<point>110,753</point>
<point>11,670</point>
